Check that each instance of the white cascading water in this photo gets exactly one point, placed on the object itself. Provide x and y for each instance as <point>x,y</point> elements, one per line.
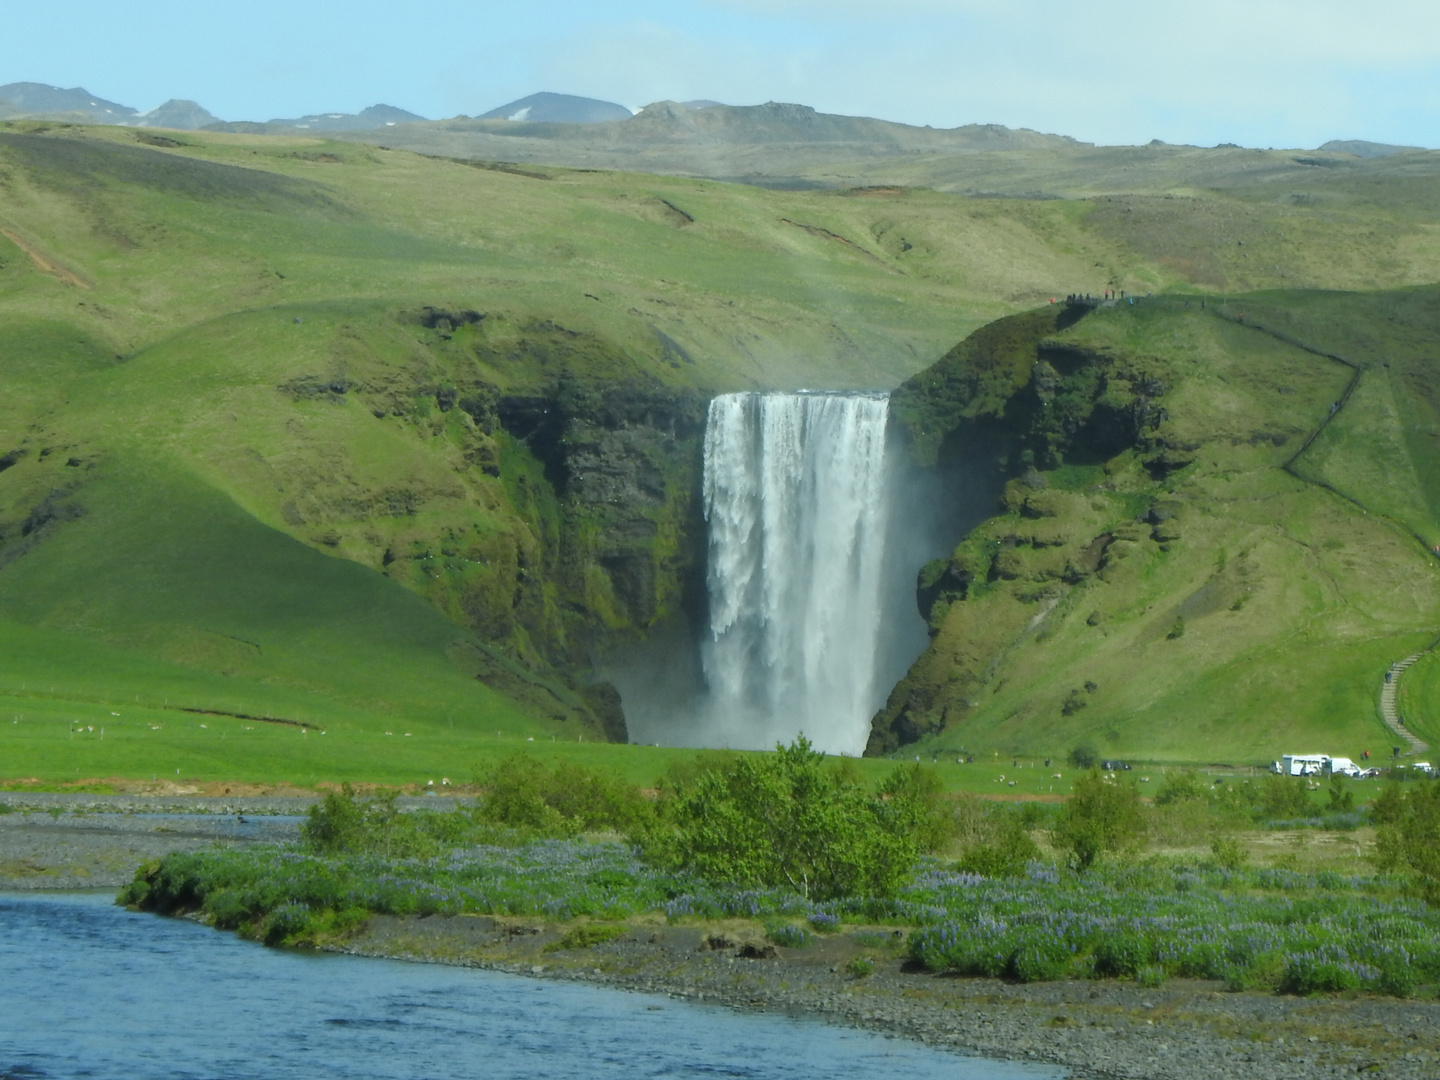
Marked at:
<point>795,497</point>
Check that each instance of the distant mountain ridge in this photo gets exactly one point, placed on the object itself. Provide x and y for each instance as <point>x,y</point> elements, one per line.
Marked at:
<point>374,118</point>
<point>699,123</point>
<point>548,108</point>
<point>40,99</point>
<point>1362,148</point>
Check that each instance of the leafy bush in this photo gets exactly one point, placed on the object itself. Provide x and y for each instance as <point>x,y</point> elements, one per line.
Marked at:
<point>1229,855</point>
<point>1281,797</point>
<point>1388,808</point>
<point>343,823</point>
<point>1151,976</point>
<point>561,801</point>
<point>824,923</point>
<point>1341,798</point>
<point>861,966</point>
<point>1182,786</point>
<point>1100,816</point>
<point>1410,837</point>
<point>1084,756</point>
<point>1006,852</point>
<point>789,818</point>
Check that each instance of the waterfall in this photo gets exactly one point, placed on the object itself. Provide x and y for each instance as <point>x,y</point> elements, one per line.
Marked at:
<point>795,499</point>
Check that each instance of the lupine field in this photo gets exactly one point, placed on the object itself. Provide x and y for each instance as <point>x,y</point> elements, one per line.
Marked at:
<point>1266,929</point>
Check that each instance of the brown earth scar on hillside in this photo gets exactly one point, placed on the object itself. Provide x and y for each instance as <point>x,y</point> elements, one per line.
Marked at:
<point>816,230</point>
<point>44,263</point>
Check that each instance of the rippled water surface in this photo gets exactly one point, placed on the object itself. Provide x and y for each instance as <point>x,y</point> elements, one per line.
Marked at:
<point>90,990</point>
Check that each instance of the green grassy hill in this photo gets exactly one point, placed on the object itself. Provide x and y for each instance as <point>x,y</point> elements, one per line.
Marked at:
<point>1219,533</point>
<point>353,437</point>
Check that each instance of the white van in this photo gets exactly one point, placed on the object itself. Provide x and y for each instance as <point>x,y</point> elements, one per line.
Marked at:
<point>1343,766</point>
<point>1301,764</point>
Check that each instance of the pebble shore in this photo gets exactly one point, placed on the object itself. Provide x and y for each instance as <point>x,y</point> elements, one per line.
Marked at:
<point>1184,1030</point>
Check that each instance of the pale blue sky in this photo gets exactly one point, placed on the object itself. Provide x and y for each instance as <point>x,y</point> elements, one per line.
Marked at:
<point>1256,72</point>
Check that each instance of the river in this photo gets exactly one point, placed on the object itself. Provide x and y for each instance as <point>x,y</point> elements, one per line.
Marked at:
<point>91,990</point>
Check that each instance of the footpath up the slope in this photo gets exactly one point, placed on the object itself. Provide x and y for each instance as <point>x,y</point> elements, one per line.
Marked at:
<point>1388,711</point>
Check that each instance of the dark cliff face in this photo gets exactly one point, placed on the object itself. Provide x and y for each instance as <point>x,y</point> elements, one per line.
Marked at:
<point>622,464</point>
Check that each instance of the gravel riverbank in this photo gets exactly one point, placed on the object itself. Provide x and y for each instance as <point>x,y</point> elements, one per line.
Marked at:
<point>1184,1030</point>
<point>67,840</point>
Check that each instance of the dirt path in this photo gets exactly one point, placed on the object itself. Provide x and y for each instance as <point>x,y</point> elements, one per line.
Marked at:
<point>43,262</point>
<point>1388,710</point>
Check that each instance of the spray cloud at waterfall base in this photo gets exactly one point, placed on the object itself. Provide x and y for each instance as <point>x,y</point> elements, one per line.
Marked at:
<point>814,542</point>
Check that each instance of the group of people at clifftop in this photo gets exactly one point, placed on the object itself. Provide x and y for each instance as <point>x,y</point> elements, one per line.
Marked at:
<point>1086,298</point>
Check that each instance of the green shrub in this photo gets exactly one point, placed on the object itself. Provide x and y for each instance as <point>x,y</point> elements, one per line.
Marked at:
<point>923,792</point>
<point>791,819</point>
<point>1341,798</point>
<point>1410,838</point>
<point>1151,976</point>
<point>1183,786</point>
<point>1006,852</point>
<point>1281,797</point>
<point>1100,816</point>
<point>1388,808</point>
<point>1084,756</point>
<point>861,966</point>
<point>567,799</point>
<point>341,822</point>
<point>1229,855</point>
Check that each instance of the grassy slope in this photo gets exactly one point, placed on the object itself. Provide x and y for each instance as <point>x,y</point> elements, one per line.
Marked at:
<point>1154,217</point>
<point>204,289</point>
<point>1260,616</point>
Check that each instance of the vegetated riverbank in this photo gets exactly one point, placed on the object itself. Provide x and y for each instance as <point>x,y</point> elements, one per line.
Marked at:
<point>588,910</point>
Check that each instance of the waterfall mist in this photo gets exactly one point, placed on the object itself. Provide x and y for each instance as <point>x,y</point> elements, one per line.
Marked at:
<point>815,535</point>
